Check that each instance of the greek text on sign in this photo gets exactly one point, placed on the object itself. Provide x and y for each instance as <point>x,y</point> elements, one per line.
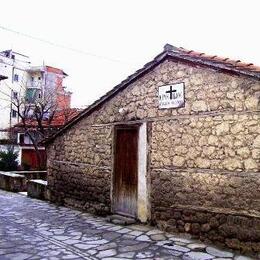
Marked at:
<point>171,96</point>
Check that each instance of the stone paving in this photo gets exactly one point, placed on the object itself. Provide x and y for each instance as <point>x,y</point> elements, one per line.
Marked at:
<point>34,229</point>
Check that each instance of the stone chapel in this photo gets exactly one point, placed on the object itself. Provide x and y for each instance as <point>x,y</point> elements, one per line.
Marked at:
<point>176,144</point>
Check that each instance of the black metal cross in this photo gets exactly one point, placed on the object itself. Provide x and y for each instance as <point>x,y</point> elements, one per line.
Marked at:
<point>171,91</point>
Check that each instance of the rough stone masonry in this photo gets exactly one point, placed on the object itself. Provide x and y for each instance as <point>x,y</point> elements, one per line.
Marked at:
<point>203,159</point>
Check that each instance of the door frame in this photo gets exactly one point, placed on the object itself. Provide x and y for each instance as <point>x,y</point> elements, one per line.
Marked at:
<point>143,205</point>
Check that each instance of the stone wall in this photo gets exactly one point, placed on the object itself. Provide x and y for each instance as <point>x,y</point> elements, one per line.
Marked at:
<point>223,142</point>
<point>79,169</point>
<point>231,229</point>
<point>80,186</point>
<point>12,181</point>
<point>204,156</point>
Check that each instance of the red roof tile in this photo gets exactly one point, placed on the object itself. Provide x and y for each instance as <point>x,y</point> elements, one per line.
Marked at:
<point>233,64</point>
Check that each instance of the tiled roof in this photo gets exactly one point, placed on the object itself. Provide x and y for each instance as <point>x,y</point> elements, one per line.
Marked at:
<point>236,66</point>
<point>174,53</point>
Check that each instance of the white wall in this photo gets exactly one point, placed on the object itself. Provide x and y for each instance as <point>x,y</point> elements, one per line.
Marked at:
<point>143,210</point>
<point>9,67</point>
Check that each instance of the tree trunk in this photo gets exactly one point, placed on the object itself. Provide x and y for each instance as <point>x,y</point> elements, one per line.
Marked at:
<point>38,155</point>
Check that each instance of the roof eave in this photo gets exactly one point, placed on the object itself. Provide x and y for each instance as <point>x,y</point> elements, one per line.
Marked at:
<point>214,65</point>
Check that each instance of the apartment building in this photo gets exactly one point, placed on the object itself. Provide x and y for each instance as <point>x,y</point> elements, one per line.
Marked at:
<point>14,67</point>
<point>27,82</point>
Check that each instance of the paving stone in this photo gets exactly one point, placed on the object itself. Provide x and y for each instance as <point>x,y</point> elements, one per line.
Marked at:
<point>84,246</point>
<point>158,237</point>
<point>126,236</point>
<point>97,242</point>
<point>58,232</point>
<point>112,258</point>
<point>69,257</point>
<point>17,256</point>
<point>71,241</point>
<point>217,252</point>
<point>111,235</point>
<point>136,247</point>
<point>180,243</point>
<point>136,233</point>
<point>114,228</point>
<point>123,231</point>
<point>49,253</point>
<point>177,248</point>
<point>140,228</point>
<point>143,238</point>
<point>145,254</point>
<point>107,246</point>
<point>92,251</point>
<point>127,255</point>
<point>172,252</point>
<point>73,233</point>
<point>197,256</point>
<point>106,253</point>
<point>162,243</point>
<point>46,231</point>
<point>128,242</point>
<point>61,238</point>
<point>26,247</point>
<point>92,238</point>
<point>183,240</point>
<point>153,247</point>
<point>196,246</point>
<point>154,232</point>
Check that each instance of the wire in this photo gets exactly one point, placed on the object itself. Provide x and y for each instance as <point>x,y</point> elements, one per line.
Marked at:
<point>2,108</point>
<point>8,100</point>
<point>5,94</point>
<point>62,46</point>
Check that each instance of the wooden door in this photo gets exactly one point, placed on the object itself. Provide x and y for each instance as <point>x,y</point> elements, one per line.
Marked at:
<point>125,171</point>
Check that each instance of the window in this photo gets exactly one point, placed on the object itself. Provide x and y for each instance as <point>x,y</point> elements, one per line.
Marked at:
<point>14,113</point>
<point>39,78</point>
<point>21,138</point>
<point>15,95</point>
<point>16,77</point>
<point>32,94</point>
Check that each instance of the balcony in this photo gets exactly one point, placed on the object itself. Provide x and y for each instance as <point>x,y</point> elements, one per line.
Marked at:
<point>32,94</point>
<point>34,84</point>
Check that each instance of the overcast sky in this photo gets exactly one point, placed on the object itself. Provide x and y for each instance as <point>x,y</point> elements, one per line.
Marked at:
<point>120,36</point>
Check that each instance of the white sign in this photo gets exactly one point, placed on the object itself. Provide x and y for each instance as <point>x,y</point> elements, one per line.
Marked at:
<point>171,96</point>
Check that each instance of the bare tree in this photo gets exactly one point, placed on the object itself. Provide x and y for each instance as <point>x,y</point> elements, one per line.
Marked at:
<point>36,115</point>
<point>37,107</point>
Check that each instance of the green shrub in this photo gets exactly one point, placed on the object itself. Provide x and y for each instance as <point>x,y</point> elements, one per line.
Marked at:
<point>8,160</point>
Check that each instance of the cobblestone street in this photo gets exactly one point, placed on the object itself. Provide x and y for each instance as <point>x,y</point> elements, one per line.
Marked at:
<point>33,229</point>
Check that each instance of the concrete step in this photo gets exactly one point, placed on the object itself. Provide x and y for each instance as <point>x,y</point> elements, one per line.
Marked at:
<point>37,189</point>
<point>121,220</point>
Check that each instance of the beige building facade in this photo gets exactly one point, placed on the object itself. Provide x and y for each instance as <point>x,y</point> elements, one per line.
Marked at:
<point>190,165</point>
